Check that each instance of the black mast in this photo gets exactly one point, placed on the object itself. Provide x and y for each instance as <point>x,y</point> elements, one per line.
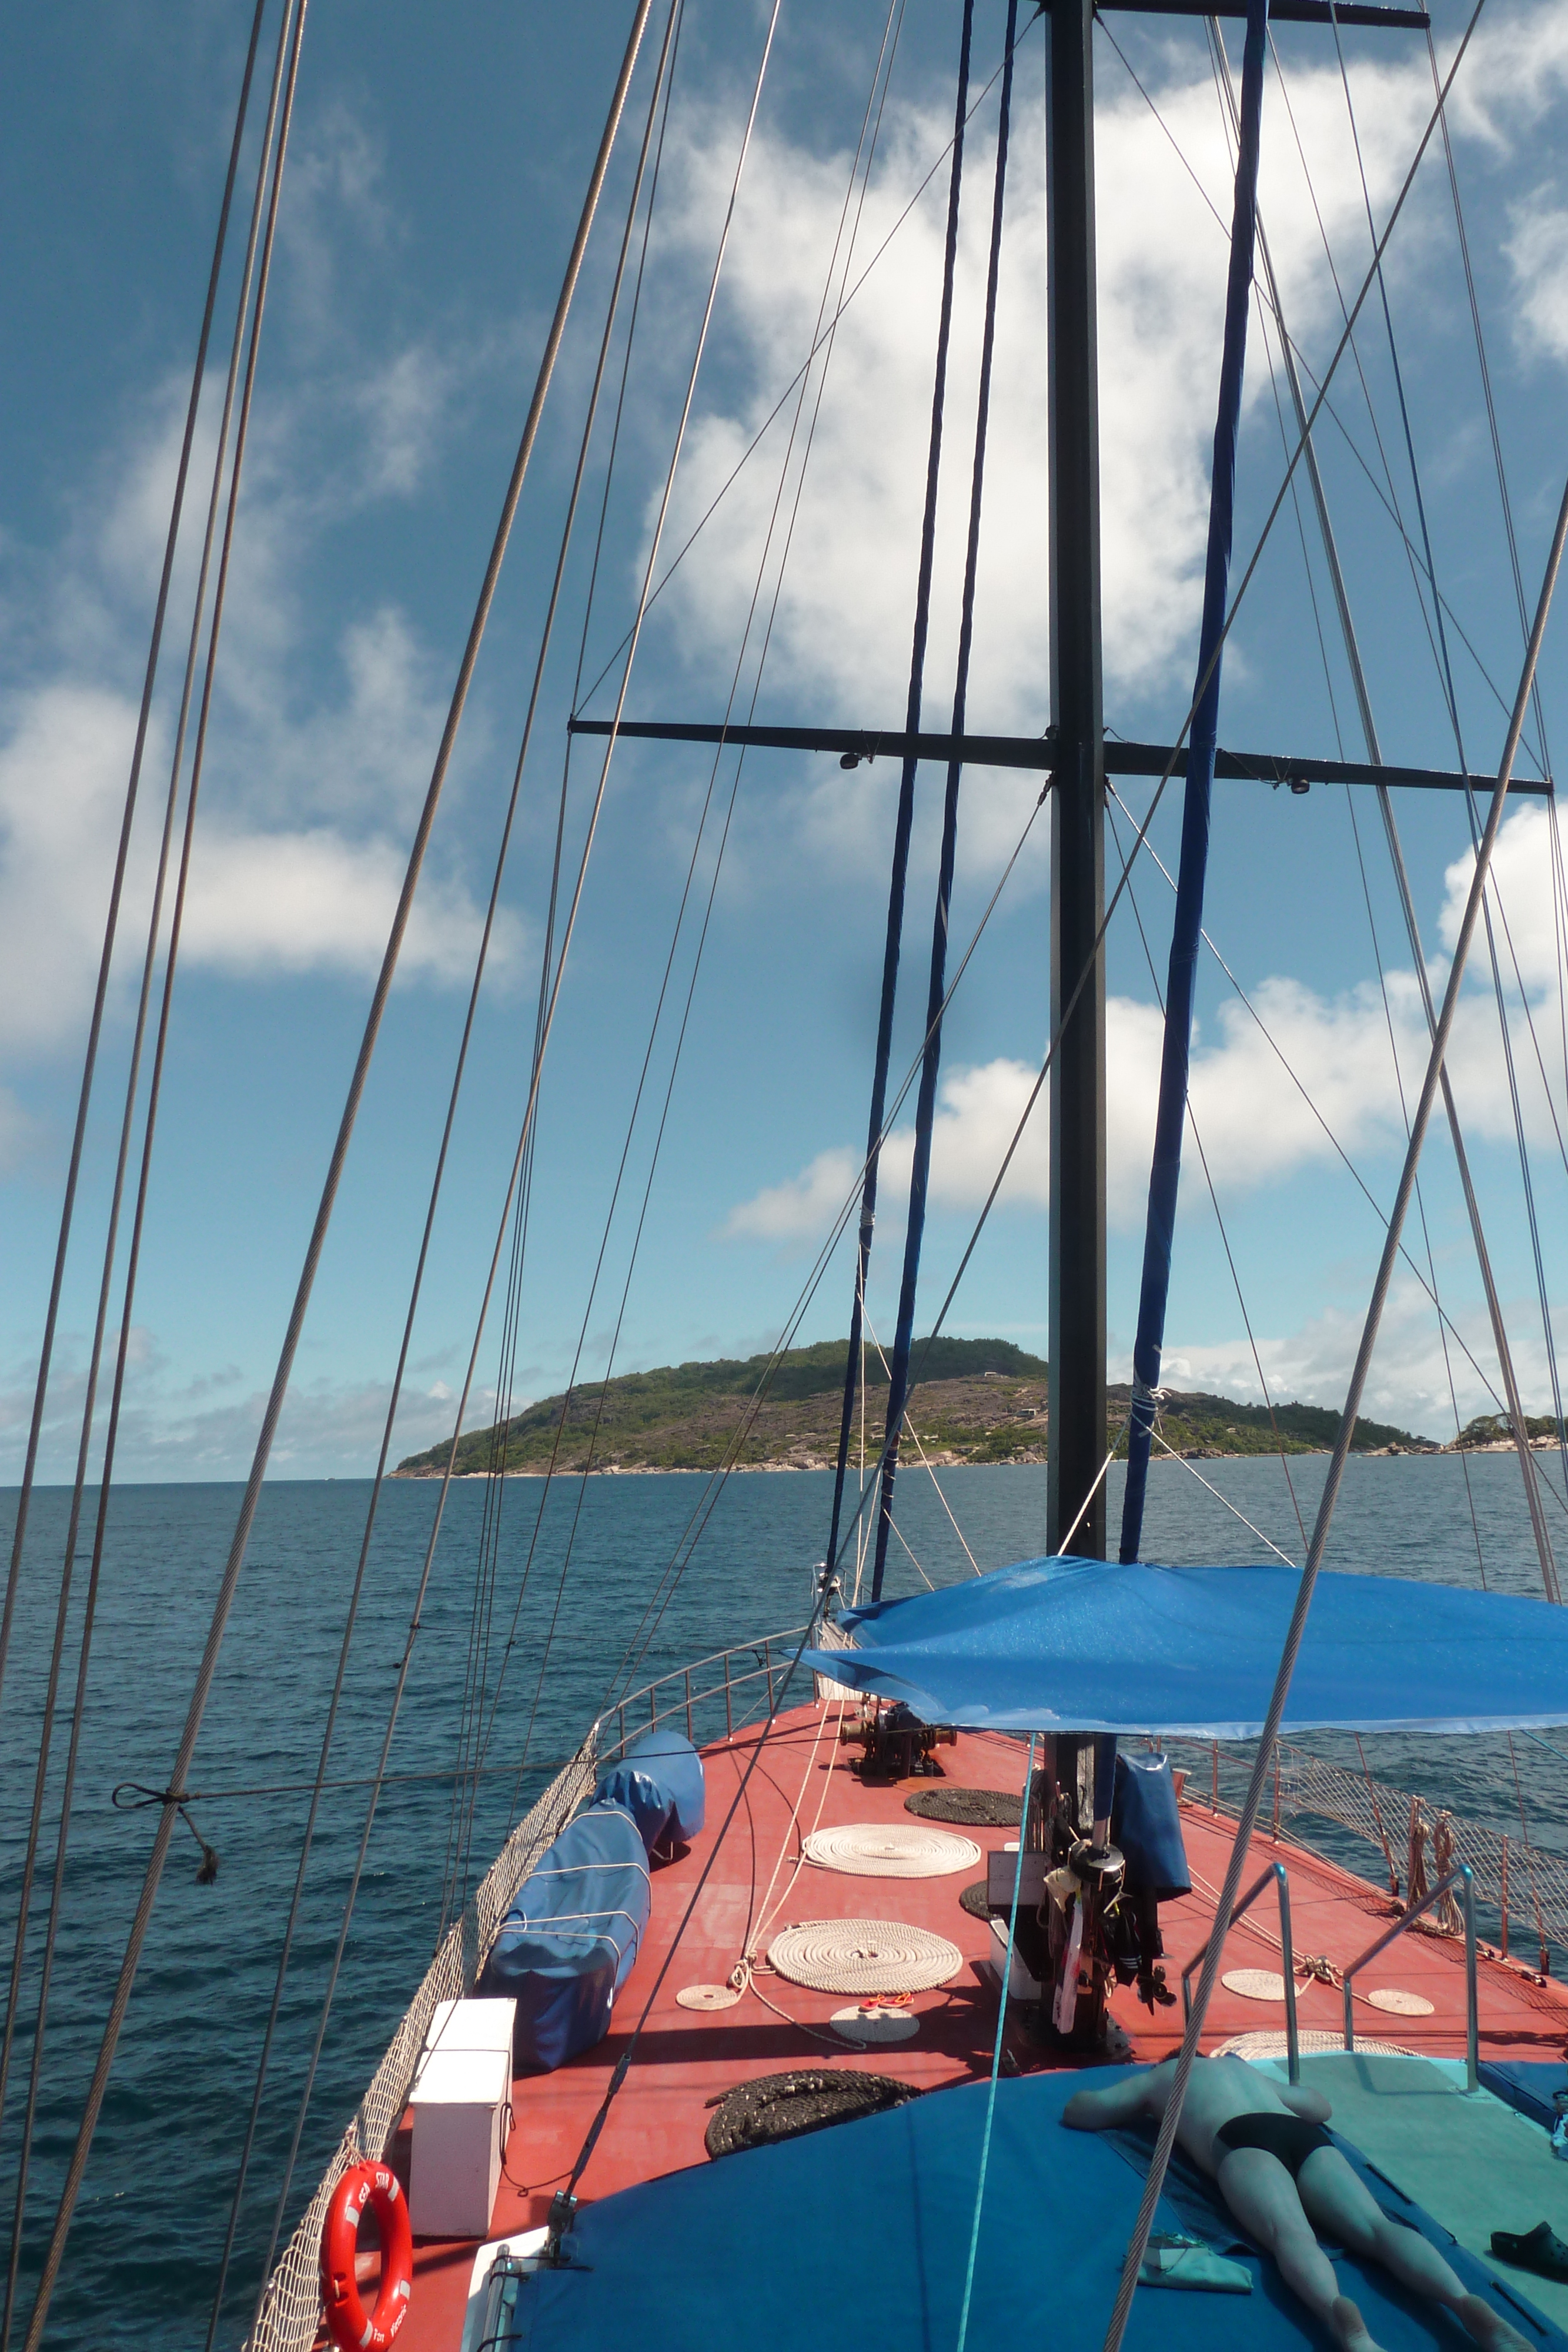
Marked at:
<point>1077,1244</point>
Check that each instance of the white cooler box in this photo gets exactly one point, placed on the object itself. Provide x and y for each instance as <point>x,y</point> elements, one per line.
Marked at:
<point>470,2025</point>
<point>460,2100</point>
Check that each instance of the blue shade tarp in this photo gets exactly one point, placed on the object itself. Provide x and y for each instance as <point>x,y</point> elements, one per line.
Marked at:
<point>757,2251</point>
<point>659,1779</point>
<point>568,1942</point>
<point>1074,1644</point>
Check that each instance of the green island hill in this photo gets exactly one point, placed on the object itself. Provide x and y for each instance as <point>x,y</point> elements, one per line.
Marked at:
<point>978,1401</point>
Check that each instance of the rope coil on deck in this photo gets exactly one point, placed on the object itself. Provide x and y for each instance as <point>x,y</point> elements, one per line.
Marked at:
<point>890,1850</point>
<point>975,1808</point>
<point>807,2099</point>
<point>864,1956</point>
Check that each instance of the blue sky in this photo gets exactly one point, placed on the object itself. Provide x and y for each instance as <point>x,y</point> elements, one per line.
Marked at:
<point>433,184</point>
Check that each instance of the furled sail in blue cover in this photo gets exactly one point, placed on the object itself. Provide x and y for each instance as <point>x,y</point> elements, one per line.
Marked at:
<point>1068,1645</point>
<point>659,1779</point>
<point>1170,1119</point>
<point>568,1942</point>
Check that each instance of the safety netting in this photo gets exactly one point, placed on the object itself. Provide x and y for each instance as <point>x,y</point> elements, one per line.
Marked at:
<point>290,2312</point>
<point>1521,1888</point>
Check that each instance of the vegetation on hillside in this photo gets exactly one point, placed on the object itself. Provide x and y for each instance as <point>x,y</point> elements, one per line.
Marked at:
<point>978,1401</point>
<point>1496,1428</point>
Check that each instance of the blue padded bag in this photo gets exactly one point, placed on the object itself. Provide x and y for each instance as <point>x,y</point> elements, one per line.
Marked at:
<point>1145,1823</point>
<point>568,1942</point>
<point>659,1779</point>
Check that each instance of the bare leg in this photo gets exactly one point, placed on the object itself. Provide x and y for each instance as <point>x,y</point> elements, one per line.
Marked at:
<point>1261,2194</point>
<point>1335,2201</point>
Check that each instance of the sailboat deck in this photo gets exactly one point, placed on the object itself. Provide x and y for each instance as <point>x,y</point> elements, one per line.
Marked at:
<point>688,2060</point>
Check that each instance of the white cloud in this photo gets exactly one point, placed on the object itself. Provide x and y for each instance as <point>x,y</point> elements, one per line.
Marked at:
<point>1538,254</point>
<point>402,404</point>
<point>311,900</point>
<point>800,1209</point>
<point>1521,881</point>
<point>62,774</point>
<point>844,626</point>
<point>1262,1114</point>
<point>281,899</point>
<point>1409,1384</point>
<point>206,1427</point>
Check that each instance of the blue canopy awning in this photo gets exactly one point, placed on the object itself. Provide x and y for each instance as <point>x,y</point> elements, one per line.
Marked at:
<point>1074,1644</point>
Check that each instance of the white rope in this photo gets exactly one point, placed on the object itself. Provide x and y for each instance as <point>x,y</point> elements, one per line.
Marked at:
<point>864,1956</point>
<point>890,1849</point>
<point>767,1916</point>
<point>915,1433</point>
<point>1089,1497</point>
<point>1218,1497</point>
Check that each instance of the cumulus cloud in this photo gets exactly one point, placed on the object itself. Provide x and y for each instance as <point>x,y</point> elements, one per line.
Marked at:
<point>308,796</point>
<point>206,1426</point>
<point>839,643</point>
<point>1268,1095</point>
<point>263,898</point>
<point>1409,1384</point>
<point>843,621</point>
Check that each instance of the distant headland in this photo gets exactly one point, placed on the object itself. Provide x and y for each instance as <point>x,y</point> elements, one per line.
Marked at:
<point>979,1401</point>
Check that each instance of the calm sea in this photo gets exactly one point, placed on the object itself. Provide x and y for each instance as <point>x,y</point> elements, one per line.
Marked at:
<point>151,2221</point>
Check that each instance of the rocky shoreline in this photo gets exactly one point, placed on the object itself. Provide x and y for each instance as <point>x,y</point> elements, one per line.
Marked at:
<point>991,1409</point>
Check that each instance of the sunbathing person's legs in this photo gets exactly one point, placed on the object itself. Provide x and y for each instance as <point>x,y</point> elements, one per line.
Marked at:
<point>1283,2215</point>
<point>1261,2194</point>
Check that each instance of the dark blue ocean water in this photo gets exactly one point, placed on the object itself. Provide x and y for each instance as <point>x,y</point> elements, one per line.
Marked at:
<point>141,2261</point>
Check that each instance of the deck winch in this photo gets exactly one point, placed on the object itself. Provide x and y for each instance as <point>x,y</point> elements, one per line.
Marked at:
<point>895,1745</point>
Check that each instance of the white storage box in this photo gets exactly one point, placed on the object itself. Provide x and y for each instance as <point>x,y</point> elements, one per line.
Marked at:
<point>461,2102</point>
<point>1022,1986</point>
<point>470,2025</point>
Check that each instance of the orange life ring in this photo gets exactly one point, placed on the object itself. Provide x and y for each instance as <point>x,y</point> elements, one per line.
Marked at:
<point>348,2323</point>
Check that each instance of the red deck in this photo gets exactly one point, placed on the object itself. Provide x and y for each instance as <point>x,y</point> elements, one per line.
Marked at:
<point>686,2058</point>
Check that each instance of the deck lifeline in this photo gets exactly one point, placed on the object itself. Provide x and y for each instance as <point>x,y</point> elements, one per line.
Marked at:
<point>686,2060</point>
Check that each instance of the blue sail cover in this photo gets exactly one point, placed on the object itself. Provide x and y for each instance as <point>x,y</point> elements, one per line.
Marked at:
<point>659,1780</point>
<point>568,1942</point>
<point>1068,1645</point>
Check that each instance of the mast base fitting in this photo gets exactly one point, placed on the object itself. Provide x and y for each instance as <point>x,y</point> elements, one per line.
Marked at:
<point>1096,1865</point>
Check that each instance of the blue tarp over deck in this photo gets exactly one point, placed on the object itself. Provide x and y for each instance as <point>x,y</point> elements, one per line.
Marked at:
<point>1074,1644</point>
<point>858,2235</point>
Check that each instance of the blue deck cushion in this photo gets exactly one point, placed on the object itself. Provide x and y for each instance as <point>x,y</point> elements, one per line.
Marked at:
<point>568,1942</point>
<point>1145,1823</point>
<point>659,1779</point>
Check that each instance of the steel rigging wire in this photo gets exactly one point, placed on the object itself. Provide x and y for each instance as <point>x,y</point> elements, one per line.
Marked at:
<point>143,717</point>
<point>402,1677</point>
<point>320,1783</point>
<point>925,1101</point>
<point>1353,655</point>
<point>543,1012</point>
<point>1445,680</point>
<point>861,172</point>
<point>269,169</point>
<point>239,1546</point>
<point>888,51</point>
<point>454,1894</point>
<point>904,819</point>
<point>405,1662</point>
